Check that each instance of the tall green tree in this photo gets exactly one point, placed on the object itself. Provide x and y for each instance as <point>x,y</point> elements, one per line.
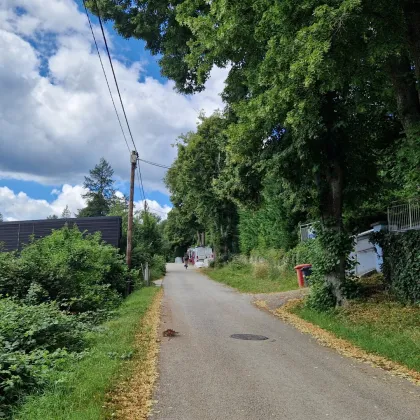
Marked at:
<point>101,192</point>
<point>66,213</point>
<point>313,86</point>
<point>192,183</point>
<point>180,230</point>
<point>147,238</point>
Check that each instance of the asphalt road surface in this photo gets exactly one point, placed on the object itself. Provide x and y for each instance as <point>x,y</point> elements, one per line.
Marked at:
<point>207,375</point>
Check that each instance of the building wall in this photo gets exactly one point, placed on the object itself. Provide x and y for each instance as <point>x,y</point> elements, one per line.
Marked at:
<point>13,235</point>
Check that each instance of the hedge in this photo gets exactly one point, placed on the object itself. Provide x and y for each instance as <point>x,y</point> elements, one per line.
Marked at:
<point>401,263</point>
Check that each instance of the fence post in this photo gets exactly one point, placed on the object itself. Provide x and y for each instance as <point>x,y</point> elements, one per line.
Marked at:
<point>410,217</point>
<point>147,273</point>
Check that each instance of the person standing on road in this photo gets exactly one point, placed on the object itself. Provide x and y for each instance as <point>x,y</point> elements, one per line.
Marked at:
<point>186,257</point>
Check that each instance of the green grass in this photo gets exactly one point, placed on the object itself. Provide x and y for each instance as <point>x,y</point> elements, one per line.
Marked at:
<point>246,280</point>
<point>82,395</point>
<point>382,327</point>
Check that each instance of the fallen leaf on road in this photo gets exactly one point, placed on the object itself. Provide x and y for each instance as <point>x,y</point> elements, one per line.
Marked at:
<point>342,346</point>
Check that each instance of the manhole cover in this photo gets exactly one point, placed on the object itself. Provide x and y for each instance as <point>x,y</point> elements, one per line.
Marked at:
<point>248,337</point>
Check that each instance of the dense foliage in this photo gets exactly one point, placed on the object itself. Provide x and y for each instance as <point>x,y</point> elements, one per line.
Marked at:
<point>192,181</point>
<point>401,263</point>
<point>321,120</point>
<point>78,271</point>
<point>149,240</point>
<point>51,293</point>
<point>35,341</point>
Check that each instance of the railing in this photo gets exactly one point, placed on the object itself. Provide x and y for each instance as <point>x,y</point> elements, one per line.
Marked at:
<point>404,216</point>
<point>307,232</point>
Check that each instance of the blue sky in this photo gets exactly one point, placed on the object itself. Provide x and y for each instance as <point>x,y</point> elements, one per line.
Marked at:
<point>56,116</point>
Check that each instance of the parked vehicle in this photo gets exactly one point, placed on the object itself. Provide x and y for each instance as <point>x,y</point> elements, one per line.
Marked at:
<point>199,254</point>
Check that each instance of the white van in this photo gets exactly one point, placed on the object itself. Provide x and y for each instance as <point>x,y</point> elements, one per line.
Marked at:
<point>201,256</point>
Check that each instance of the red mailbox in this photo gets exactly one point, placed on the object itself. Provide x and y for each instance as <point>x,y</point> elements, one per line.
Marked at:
<point>299,273</point>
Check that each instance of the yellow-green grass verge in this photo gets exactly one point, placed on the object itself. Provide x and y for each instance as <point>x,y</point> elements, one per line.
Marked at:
<point>131,399</point>
<point>84,394</point>
<point>246,279</point>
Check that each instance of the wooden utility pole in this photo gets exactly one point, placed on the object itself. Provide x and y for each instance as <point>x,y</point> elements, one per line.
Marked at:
<point>133,159</point>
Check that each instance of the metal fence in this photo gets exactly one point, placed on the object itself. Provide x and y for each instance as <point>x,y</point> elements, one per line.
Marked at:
<point>404,216</point>
<point>307,232</point>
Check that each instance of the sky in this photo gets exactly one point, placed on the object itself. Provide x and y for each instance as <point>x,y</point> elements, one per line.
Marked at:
<point>57,119</point>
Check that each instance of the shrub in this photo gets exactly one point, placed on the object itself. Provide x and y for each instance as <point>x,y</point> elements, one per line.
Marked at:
<point>80,272</point>
<point>401,263</point>
<point>27,327</point>
<point>13,278</point>
<point>157,267</point>
<point>261,270</point>
<point>321,297</point>
<point>35,341</point>
<point>22,373</point>
<point>239,262</point>
<point>304,253</point>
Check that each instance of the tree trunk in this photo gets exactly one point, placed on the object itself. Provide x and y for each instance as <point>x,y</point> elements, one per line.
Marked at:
<point>332,215</point>
<point>411,10</point>
<point>408,104</point>
<point>331,196</point>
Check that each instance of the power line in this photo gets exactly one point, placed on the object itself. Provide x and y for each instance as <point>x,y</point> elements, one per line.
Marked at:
<point>106,78</point>
<point>140,182</point>
<point>159,165</point>
<point>120,97</point>
<point>113,73</point>
<point>118,90</point>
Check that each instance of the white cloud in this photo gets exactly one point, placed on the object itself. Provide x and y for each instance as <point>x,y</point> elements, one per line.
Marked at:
<point>27,17</point>
<point>56,124</point>
<point>19,206</point>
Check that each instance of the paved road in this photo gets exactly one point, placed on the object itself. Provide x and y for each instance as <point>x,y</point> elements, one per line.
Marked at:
<point>206,375</point>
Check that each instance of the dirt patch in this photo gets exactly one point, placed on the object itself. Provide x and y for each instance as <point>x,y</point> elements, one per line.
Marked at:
<point>276,300</point>
<point>132,398</point>
<point>342,346</point>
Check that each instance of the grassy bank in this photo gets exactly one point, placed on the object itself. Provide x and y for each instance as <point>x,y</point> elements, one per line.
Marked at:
<point>81,393</point>
<point>247,279</point>
<point>378,326</point>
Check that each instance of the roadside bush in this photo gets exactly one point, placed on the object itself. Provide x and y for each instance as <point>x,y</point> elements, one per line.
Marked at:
<point>13,278</point>
<point>26,327</point>
<point>35,341</point>
<point>239,262</point>
<point>157,267</point>
<point>79,271</point>
<point>261,270</point>
<point>321,297</point>
<point>401,263</point>
<point>304,253</point>
<point>22,373</point>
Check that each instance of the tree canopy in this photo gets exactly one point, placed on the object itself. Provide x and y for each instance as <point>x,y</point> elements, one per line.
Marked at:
<point>321,104</point>
<point>101,192</point>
